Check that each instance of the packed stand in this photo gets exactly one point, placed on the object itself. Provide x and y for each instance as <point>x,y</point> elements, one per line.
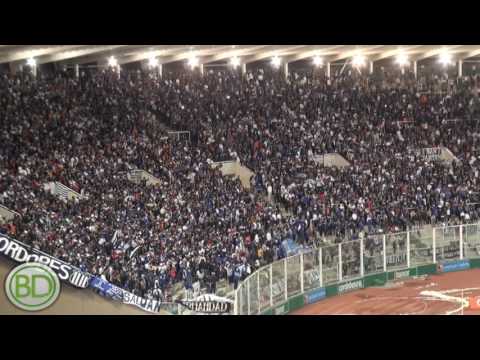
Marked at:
<point>87,133</point>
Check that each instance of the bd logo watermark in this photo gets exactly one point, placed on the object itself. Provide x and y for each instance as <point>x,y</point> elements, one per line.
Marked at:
<point>32,287</point>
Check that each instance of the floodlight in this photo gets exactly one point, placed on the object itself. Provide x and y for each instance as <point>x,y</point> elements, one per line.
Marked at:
<point>317,61</point>
<point>112,61</point>
<point>402,60</point>
<point>32,62</point>
<point>152,61</point>
<point>235,61</point>
<point>445,58</point>
<point>276,61</point>
<point>358,61</point>
<point>193,62</point>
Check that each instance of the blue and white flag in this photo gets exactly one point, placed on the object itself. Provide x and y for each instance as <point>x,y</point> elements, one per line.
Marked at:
<point>107,289</point>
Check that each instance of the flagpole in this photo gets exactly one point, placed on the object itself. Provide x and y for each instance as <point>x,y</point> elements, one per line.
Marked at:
<point>463,305</point>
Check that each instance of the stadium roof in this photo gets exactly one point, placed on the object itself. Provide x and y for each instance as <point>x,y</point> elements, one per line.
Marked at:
<point>82,54</point>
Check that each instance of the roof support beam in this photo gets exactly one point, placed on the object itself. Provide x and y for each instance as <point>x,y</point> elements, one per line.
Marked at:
<point>35,52</point>
<point>315,50</point>
<point>470,54</point>
<point>81,54</point>
<point>355,50</point>
<point>272,51</point>
<point>105,51</point>
<point>391,53</point>
<point>77,53</point>
<point>239,51</point>
<point>176,52</point>
<point>186,55</point>
<point>435,52</point>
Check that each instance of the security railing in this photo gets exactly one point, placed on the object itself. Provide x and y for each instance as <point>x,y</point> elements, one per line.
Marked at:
<point>64,192</point>
<point>179,135</point>
<point>282,280</point>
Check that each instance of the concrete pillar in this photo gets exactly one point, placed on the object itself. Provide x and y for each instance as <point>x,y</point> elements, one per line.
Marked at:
<point>370,70</point>
<point>160,70</point>
<point>460,68</point>
<point>244,68</point>
<point>329,68</point>
<point>285,70</point>
<point>14,67</point>
<point>77,71</point>
<point>201,69</point>
<point>415,69</point>
<point>34,70</point>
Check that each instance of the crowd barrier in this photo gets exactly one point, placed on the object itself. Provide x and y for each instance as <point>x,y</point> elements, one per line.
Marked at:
<point>179,135</point>
<point>314,274</point>
<point>61,191</point>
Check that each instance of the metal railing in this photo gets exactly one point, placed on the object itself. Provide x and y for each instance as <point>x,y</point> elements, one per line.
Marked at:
<point>316,268</point>
<point>179,135</point>
<point>64,192</point>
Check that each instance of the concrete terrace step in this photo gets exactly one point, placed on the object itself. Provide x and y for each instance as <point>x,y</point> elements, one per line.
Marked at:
<point>6,214</point>
<point>138,175</point>
<point>331,160</point>
<point>237,169</point>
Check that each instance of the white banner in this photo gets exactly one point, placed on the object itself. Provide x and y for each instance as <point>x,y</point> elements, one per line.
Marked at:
<point>23,253</point>
<point>152,306</point>
<point>429,154</point>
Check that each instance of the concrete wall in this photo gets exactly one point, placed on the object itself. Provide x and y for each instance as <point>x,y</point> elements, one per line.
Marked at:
<point>331,160</point>
<point>6,213</point>
<point>237,169</point>
<point>447,155</point>
<point>137,175</point>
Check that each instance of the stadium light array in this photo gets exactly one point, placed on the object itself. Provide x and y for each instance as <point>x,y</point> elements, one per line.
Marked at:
<point>358,61</point>
<point>402,60</point>
<point>112,62</point>
<point>445,59</point>
<point>235,61</point>
<point>275,62</point>
<point>193,62</point>
<point>32,62</point>
<point>317,61</point>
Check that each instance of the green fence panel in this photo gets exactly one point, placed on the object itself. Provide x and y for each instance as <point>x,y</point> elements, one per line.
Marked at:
<point>380,279</point>
<point>331,290</point>
<point>427,269</point>
<point>401,274</point>
<point>375,280</point>
<point>351,285</point>
<point>296,302</point>
<point>475,263</point>
<point>281,309</point>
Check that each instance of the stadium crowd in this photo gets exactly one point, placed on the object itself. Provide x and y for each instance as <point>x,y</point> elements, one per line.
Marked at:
<point>196,225</point>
